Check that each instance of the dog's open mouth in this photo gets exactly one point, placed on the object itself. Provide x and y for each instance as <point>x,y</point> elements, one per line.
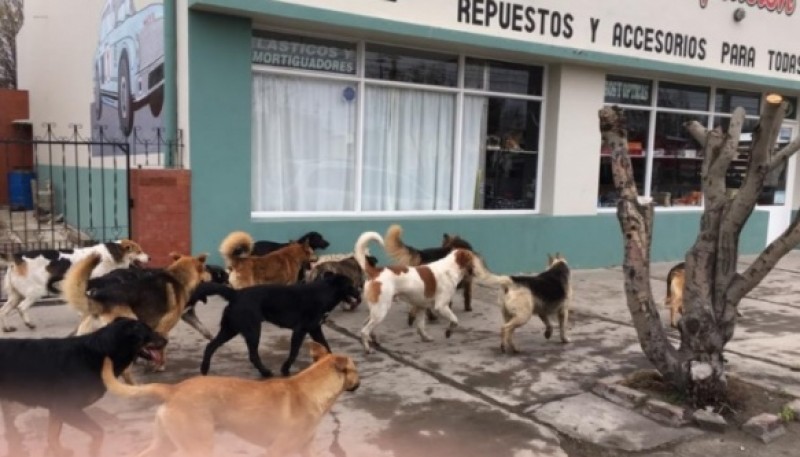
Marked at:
<point>137,264</point>
<point>353,301</point>
<point>154,351</point>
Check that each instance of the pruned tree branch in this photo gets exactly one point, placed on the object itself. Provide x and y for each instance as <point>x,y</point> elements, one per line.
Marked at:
<point>782,155</point>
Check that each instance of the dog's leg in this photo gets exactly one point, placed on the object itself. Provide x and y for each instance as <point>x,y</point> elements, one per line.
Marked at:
<point>23,311</point>
<point>422,319</point>
<point>161,444</point>
<point>191,433</point>
<point>191,318</point>
<point>442,307</point>
<point>317,335</point>
<point>298,335</point>
<point>10,412</point>
<point>412,315</point>
<point>225,334</point>
<point>86,325</point>
<point>54,426</point>
<point>11,304</point>
<point>563,316</point>
<point>507,334</point>
<point>80,420</point>
<point>548,327</point>
<point>252,337</point>
<point>467,294</point>
<point>377,312</point>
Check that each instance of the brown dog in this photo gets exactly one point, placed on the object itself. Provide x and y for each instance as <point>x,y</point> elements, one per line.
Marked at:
<point>278,267</point>
<point>281,415</point>
<point>674,300</point>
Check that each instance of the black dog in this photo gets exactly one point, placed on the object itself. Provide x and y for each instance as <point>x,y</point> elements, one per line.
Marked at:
<point>63,375</point>
<point>299,307</point>
<point>315,240</point>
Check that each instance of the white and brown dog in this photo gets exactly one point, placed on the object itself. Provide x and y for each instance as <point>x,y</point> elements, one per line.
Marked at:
<point>425,286</point>
<point>32,274</point>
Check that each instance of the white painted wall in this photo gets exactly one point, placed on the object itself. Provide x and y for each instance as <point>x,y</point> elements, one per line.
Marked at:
<point>710,20</point>
<point>571,161</point>
<point>55,50</point>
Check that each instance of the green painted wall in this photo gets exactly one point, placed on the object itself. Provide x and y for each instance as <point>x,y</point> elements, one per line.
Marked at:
<point>220,104</point>
<point>96,201</point>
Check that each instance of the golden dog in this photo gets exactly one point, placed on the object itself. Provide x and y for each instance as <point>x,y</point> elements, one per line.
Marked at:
<point>281,415</point>
<point>278,267</point>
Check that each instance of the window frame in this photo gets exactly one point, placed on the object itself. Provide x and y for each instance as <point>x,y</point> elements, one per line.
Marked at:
<point>361,81</point>
<point>653,109</point>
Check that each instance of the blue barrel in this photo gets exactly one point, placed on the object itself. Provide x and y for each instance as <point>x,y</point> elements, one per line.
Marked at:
<point>20,195</point>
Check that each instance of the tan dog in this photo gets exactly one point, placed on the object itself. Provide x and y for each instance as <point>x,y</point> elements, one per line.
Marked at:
<point>278,267</point>
<point>156,297</point>
<point>281,415</point>
<point>544,294</point>
<point>426,286</point>
<point>674,300</point>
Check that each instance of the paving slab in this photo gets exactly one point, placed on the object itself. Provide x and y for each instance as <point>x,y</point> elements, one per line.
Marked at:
<point>587,417</point>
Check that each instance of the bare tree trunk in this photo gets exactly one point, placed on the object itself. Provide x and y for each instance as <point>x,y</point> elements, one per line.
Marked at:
<point>713,286</point>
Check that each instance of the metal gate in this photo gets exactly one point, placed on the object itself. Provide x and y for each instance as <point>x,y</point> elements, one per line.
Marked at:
<point>63,192</point>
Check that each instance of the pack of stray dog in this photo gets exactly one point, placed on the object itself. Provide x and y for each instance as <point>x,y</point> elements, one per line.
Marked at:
<point>285,284</point>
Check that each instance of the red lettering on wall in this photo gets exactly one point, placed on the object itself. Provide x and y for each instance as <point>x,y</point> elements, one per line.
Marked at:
<point>776,6</point>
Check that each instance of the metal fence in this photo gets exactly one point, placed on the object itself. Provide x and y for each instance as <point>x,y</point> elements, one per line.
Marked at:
<point>62,192</point>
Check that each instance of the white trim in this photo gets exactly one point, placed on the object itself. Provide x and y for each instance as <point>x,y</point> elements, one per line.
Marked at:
<point>259,68</point>
<point>360,106</point>
<point>455,185</point>
<point>272,216</point>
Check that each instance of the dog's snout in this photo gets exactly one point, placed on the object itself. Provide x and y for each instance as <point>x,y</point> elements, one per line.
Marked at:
<point>354,387</point>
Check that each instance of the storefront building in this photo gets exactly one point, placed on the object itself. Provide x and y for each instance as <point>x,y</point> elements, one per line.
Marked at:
<point>476,117</point>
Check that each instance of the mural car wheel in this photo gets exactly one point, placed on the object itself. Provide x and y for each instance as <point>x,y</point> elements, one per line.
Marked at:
<point>156,102</point>
<point>124,102</point>
<point>98,98</point>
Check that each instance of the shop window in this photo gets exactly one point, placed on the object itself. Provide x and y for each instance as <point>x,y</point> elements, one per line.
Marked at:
<point>411,66</point>
<point>667,161</point>
<point>385,139</point>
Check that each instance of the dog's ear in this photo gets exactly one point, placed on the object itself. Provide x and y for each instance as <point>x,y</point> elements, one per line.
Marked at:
<point>202,258</point>
<point>549,259</point>
<point>318,351</point>
<point>175,255</point>
<point>341,364</point>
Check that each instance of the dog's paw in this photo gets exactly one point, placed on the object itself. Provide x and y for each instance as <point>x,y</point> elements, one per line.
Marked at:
<point>566,339</point>
<point>411,319</point>
<point>266,373</point>
<point>548,333</point>
<point>467,308</point>
<point>30,325</point>
<point>9,329</point>
<point>448,333</point>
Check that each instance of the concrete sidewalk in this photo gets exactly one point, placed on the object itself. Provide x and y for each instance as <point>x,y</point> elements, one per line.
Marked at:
<point>461,396</point>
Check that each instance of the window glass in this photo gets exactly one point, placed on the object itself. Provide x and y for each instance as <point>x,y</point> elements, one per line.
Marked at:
<point>504,77</point>
<point>628,91</point>
<point>638,122</point>
<point>791,111</point>
<point>727,100</point>
<point>681,96</point>
<point>411,66</point>
<point>305,53</point>
<point>408,149</point>
<point>304,152</point>
<point>511,162</point>
<point>677,161</point>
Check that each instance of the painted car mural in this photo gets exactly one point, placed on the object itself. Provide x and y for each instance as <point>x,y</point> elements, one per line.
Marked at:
<point>129,61</point>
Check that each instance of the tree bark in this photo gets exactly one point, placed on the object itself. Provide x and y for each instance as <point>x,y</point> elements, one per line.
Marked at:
<point>713,287</point>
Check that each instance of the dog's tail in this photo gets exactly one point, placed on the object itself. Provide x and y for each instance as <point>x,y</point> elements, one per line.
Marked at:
<point>160,391</point>
<point>360,252</point>
<point>210,289</point>
<point>235,246</point>
<point>73,287</point>
<point>482,274</point>
<point>398,250</point>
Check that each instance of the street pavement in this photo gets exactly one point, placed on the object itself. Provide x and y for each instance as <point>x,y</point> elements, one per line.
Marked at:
<point>461,396</point>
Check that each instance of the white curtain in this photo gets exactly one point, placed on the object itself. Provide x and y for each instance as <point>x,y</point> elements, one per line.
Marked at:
<point>303,144</point>
<point>408,149</point>
<point>473,145</point>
